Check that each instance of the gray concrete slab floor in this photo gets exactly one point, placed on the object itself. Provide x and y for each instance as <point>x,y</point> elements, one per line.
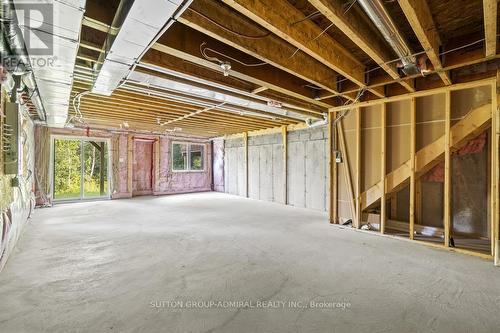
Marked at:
<point>212,262</point>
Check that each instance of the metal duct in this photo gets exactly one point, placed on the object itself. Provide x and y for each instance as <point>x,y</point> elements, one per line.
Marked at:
<point>53,70</point>
<point>14,55</point>
<point>140,23</point>
<point>378,14</point>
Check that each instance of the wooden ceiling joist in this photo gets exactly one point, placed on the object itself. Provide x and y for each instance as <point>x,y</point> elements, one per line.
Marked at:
<point>184,43</point>
<point>277,16</point>
<point>360,33</point>
<point>269,48</point>
<point>420,18</point>
<point>490,26</point>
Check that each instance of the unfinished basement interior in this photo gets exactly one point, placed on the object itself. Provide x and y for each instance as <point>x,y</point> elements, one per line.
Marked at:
<point>249,166</point>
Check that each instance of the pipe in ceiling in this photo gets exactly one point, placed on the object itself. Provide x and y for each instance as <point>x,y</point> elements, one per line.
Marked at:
<point>378,14</point>
<point>141,23</point>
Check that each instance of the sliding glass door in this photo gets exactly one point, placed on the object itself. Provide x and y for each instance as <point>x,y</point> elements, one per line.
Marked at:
<point>80,169</point>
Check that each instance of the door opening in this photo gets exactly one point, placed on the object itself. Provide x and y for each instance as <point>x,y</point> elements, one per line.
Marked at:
<point>80,169</point>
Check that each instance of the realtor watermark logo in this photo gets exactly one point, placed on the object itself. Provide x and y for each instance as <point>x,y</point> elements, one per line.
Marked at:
<point>36,22</point>
<point>248,304</point>
<point>31,27</point>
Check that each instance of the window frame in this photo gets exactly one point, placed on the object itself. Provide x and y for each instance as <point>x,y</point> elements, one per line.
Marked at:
<point>188,159</point>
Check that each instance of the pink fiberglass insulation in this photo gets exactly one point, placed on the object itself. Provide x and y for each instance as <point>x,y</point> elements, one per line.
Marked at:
<point>181,182</point>
<point>121,187</point>
<point>476,145</point>
<point>143,167</point>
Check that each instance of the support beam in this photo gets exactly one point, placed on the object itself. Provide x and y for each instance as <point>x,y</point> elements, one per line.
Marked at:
<point>245,143</point>
<point>490,27</point>
<point>130,162</point>
<point>383,167</point>
<point>358,168</point>
<point>413,142</point>
<point>284,138</point>
<point>332,165</point>
<point>102,164</point>
<point>203,15</point>
<point>356,28</point>
<point>276,17</point>
<point>184,43</point>
<point>447,170</point>
<point>495,171</point>
<point>347,171</point>
<point>420,18</point>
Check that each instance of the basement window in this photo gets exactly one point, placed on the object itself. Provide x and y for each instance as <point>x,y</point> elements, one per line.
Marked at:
<point>187,157</point>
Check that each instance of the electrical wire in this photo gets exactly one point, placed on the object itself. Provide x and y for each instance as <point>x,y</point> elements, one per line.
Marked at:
<point>239,34</point>
<point>204,49</point>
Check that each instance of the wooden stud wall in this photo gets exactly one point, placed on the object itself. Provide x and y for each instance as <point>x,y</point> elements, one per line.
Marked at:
<point>352,181</point>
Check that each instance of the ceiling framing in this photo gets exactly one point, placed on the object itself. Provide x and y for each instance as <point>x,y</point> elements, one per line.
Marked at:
<point>308,55</point>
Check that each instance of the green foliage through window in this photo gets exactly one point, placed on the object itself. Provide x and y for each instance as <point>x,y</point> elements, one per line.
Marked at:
<point>187,157</point>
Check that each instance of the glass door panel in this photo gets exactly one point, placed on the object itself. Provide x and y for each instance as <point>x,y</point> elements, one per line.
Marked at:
<point>95,173</point>
<point>67,169</point>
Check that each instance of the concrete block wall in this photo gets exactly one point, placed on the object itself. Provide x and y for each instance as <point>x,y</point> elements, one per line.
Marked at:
<point>307,164</point>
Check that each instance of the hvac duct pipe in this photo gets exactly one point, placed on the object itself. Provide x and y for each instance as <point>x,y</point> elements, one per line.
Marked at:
<point>14,54</point>
<point>378,14</point>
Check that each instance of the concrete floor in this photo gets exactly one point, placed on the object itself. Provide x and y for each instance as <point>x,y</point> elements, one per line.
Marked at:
<point>117,265</point>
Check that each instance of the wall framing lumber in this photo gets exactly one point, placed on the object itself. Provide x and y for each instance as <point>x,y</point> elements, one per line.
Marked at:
<point>471,125</point>
<point>458,86</point>
<point>245,144</point>
<point>284,138</point>
<point>358,168</point>
<point>447,170</point>
<point>130,163</point>
<point>383,167</point>
<point>347,172</point>
<point>413,143</point>
<point>333,188</point>
<point>420,18</point>
<point>495,171</point>
<point>490,8</point>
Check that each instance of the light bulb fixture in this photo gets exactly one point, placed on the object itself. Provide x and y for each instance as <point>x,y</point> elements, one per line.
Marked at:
<point>226,67</point>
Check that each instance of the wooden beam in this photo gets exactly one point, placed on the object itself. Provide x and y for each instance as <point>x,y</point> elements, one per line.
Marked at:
<point>245,143</point>
<point>276,17</point>
<point>406,96</point>
<point>413,141</point>
<point>284,138</point>
<point>358,168</point>
<point>202,14</point>
<point>332,167</point>
<point>490,27</point>
<point>347,171</point>
<point>447,170</point>
<point>383,166</point>
<point>475,122</point>
<point>420,18</point>
<point>356,28</point>
<point>184,43</point>
<point>495,171</point>
<point>130,162</point>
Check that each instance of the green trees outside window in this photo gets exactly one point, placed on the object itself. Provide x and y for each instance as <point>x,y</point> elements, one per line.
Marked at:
<point>187,157</point>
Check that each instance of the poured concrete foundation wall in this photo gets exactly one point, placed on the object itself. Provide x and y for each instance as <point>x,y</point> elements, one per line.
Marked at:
<point>307,165</point>
<point>218,165</point>
<point>234,167</point>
